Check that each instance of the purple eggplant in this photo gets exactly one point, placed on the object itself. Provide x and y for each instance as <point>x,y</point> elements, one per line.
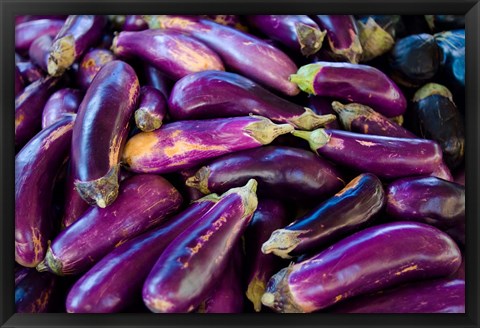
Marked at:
<point>19,84</point>
<point>101,131</point>
<point>434,296</point>
<point>270,215</point>
<point>240,51</point>
<point>191,265</point>
<point>374,39</point>
<point>277,169</point>
<point>29,107</point>
<point>154,78</point>
<point>29,72</point>
<point>91,63</point>
<point>323,106</point>
<point>368,261</point>
<point>351,209</point>
<point>213,94</point>
<point>443,172</point>
<point>27,32</point>
<point>342,36</point>
<point>354,83</point>
<point>151,110</point>
<point>298,32</point>
<point>78,34</point>
<point>460,274</point>
<point>36,168</point>
<point>61,102</point>
<point>20,272</point>
<point>74,205</point>
<point>143,202</point>
<point>193,193</point>
<point>39,51</point>
<point>103,290</point>
<point>186,144</point>
<point>386,157</point>
<point>173,53</point>
<point>33,294</point>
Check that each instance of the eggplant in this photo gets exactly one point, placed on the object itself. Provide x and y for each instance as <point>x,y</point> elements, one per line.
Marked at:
<point>27,32</point>
<point>101,131</point>
<point>33,293</point>
<point>323,106</point>
<point>61,102</point>
<point>448,22</point>
<point>193,193</point>
<point>277,169</point>
<point>154,78</point>
<point>36,168</point>
<point>74,205</point>
<point>297,32</point>
<point>78,34</point>
<point>342,35</point>
<point>434,296</point>
<point>403,252</point>
<point>374,39</point>
<point>90,64</point>
<point>386,157</point>
<point>241,52</point>
<point>354,83</point>
<point>39,51</point>
<point>144,201</point>
<point>351,209</point>
<point>186,144</point>
<point>450,42</point>
<point>20,272</point>
<point>460,176</point>
<point>270,215</point>
<point>172,52</point>
<point>214,94</point>
<point>134,23</point>
<point>191,265</point>
<point>29,72</point>
<point>19,84</point>
<point>151,110</point>
<point>437,118</point>
<point>103,290</point>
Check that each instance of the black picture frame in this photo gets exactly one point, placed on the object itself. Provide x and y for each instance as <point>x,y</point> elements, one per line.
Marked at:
<point>10,8</point>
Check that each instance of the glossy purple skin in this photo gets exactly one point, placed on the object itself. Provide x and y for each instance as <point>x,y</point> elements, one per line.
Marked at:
<point>385,157</point>
<point>102,125</point>
<point>270,215</point>
<point>172,52</point>
<point>144,201</point>
<point>185,144</point>
<point>278,170</point>
<point>40,50</point>
<point>91,63</point>
<point>33,294</point>
<point>153,77</point>
<point>435,296</point>
<point>427,199</point>
<point>323,106</point>
<point>29,72</point>
<point>152,109</point>
<point>240,51</point>
<point>60,103</point>
<point>134,23</point>
<point>18,82</point>
<point>74,205</point>
<point>194,261</point>
<point>111,283</point>
<point>284,29</point>
<point>29,107</point>
<point>36,168</point>
<point>26,33</point>
<point>351,209</point>
<point>403,252</point>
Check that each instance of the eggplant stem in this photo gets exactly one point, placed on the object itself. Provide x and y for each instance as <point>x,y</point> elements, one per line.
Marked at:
<point>309,120</point>
<point>200,180</point>
<point>265,131</point>
<point>61,56</point>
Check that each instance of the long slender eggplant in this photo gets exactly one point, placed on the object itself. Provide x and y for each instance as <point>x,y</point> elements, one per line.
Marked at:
<point>172,52</point>
<point>19,83</point>
<point>240,51</point>
<point>152,109</point>
<point>144,201</point>
<point>277,169</point>
<point>351,209</point>
<point>27,32</point>
<point>102,290</point>
<point>91,63</point>
<point>101,131</point>
<point>354,83</point>
<point>61,102</point>
<point>186,144</point>
<point>78,34</point>
<point>385,157</point>
<point>29,72</point>
<point>39,51</point>
<point>375,40</point>
<point>33,294</point>
<point>29,107</point>
<point>270,215</point>
<point>434,296</point>
<point>36,169</point>
<point>298,32</point>
<point>154,78</point>
<point>214,94</point>
<point>342,35</point>
<point>191,265</point>
<point>370,260</point>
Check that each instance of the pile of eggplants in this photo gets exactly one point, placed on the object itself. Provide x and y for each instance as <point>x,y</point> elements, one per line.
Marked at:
<point>235,164</point>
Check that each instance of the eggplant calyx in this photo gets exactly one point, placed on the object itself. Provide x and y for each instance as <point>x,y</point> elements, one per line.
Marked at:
<point>101,192</point>
<point>51,264</point>
<point>309,38</point>
<point>248,194</point>
<point>213,197</point>
<point>316,138</point>
<point>282,242</point>
<point>430,89</point>
<point>200,180</point>
<point>374,39</point>
<point>145,121</point>
<point>309,120</point>
<point>305,77</point>
<point>254,293</point>
<point>61,56</point>
<point>278,295</point>
<point>353,53</point>
<point>265,131</point>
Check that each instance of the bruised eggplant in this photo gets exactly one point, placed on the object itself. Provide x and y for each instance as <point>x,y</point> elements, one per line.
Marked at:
<point>91,63</point>
<point>151,110</point>
<point>61,102</point>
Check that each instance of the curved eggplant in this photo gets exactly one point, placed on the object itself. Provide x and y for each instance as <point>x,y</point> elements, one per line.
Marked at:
<point>61,102</point>
<point>214,94</point>
<point>143,202</point>
<point>33,294</point>
<point>101,131</point>
<point>91,63</point>
<point>39,51</point>
<point>36,168</point>
<point>27,32</point>
<point>152,109</point>
<point>350,209</point>
<point>404,252</point>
